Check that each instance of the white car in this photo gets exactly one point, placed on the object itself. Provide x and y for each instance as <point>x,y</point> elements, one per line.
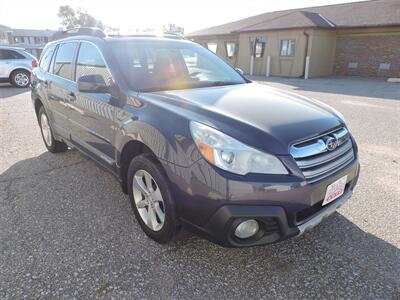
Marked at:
<point>16,66</point>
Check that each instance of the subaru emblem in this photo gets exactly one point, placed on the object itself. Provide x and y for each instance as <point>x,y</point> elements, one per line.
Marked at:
<point>331,143</point>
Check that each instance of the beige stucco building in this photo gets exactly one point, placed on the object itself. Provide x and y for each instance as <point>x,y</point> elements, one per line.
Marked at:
<point>361,38</point>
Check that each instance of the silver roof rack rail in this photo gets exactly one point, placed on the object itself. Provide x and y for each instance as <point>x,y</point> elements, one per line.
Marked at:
<point>148,34</point>
<point>90,31</point>
<point>173,35</point>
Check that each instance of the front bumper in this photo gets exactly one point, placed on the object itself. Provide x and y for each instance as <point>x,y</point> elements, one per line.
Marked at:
<point>324,213</point>
<point>220,229</point>
<point>277,222</point>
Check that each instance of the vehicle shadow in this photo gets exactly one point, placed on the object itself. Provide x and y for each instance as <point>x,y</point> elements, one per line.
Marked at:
<point>63,205</point>
<point>352,86</point>
<point>7,90</point>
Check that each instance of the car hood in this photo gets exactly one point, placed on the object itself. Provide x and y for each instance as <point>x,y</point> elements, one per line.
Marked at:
<point>284,116</point>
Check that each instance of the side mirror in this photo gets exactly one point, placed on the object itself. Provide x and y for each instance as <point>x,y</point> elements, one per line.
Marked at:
<point>239,71</point>
<point>92,84</point>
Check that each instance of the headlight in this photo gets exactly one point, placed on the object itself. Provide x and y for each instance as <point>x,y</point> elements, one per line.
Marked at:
<point>231,155</point>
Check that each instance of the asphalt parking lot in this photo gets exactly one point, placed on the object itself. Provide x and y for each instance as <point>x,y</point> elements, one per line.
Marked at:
<point>67,230</point>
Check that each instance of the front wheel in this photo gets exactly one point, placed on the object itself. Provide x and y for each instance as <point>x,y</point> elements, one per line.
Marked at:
<point>151,199</point>
<point>50,142</point>
<point>20,78</point>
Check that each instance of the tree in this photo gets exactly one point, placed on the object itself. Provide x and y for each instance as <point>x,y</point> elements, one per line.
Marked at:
<point>80,18</point>
<point>67,15</point>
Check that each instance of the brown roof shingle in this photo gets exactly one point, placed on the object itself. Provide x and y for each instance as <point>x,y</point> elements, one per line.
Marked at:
<point>375,13</point>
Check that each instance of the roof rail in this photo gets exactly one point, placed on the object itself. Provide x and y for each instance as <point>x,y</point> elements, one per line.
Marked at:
<point>90,31</point>
<point>148,34</point>
<point>118,34</point>
<point>173,35</point>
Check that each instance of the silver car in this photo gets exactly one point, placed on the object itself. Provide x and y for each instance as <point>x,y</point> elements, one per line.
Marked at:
<point>16,65</point>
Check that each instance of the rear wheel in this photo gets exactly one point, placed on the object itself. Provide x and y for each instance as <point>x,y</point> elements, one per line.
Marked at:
<point>151,199</point>
<point>50,142</point>
<point>20,78</point>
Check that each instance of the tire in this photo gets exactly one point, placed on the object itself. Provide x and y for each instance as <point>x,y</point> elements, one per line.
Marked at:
<point>20,78</point>
<point>50,142</point>
<point>147,164</point>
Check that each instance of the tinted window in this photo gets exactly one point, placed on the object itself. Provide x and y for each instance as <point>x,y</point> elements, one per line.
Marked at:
<point>63,64</point>
<point>90,62</point>
<point>46,58</point>
<point>154,66</point>
<point>10,54</point>
<point>51,68</point>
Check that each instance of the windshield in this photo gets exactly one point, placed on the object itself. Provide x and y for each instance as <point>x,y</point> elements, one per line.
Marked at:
<point>168,65</point>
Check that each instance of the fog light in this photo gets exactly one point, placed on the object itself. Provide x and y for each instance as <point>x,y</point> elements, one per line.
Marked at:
<point>247,229</point>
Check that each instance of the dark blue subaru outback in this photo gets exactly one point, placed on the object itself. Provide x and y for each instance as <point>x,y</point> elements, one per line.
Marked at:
<point>193,142</point>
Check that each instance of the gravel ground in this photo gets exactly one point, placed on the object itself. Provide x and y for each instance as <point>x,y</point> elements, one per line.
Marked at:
<point>68,232</point>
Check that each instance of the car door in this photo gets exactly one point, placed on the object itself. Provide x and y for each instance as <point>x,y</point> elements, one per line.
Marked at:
<point>59,84</point>
<point>92,114</point>
<point>41,79</point>
<point>3,64</point>
<point>7,61</point>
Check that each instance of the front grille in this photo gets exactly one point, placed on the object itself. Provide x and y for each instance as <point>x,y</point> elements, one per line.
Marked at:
<point>316,161</point>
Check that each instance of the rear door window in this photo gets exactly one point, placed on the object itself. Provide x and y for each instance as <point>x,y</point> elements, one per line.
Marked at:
<point>46,58</point>
<point>63,65</point>
<point>10,54</point>
<point>53,59</point>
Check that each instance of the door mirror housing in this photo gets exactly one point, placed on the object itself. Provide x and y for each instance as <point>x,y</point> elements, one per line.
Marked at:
<point>92,84</point>
<point>240,71</point>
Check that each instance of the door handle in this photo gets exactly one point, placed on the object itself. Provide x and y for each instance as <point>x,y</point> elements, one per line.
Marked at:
<point>71,97</point>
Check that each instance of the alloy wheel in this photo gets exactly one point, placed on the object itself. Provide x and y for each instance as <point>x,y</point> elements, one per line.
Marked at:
<point>148,200</point>
<point>46,131</point>
<point>21,79</point>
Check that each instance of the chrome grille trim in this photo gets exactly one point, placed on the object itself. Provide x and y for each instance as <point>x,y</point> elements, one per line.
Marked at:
<point>309,150</point>
<point>330,166</point>
<point>299,150</point>
<point>316,161</point>
<point>341,135</point>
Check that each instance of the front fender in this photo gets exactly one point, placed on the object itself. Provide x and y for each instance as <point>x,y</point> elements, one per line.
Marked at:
<point>167,137</point>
